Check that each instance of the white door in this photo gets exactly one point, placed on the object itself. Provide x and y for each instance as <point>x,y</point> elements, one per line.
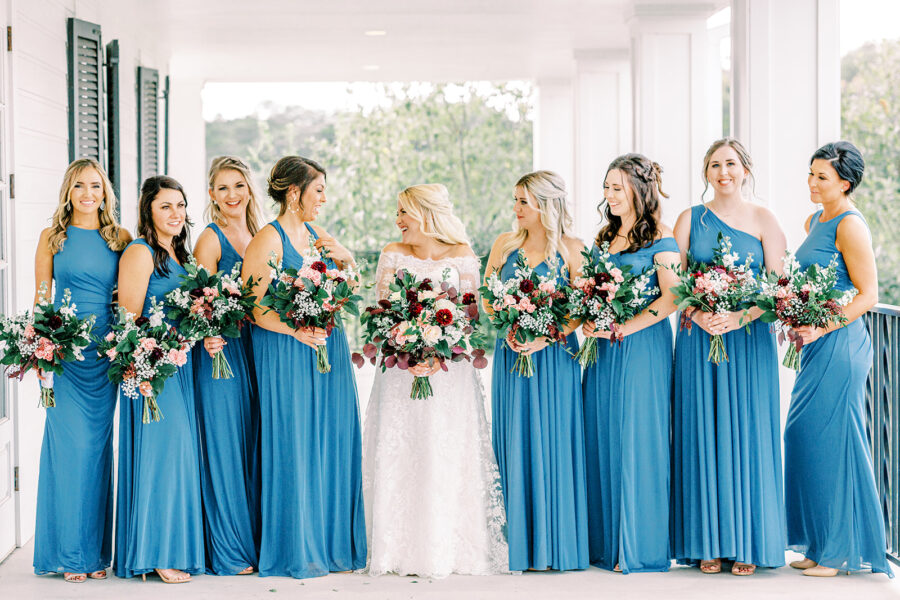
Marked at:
<point>7,478</point>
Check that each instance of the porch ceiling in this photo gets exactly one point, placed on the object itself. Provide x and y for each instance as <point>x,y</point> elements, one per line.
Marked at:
<point>306,40</point>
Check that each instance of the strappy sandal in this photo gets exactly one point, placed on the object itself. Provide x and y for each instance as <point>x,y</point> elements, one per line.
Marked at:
<point>742,569</point>
<point>101,574</point>
<point>711,567</point>
<point>75,577</point>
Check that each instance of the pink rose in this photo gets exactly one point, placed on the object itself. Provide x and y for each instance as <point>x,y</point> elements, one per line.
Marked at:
<point>110,336</point>
<point>29,331</point>
<point>212,292</point>
<point>111,354</point>
<point>548,288</point>
<point>508,300</point>
<point>231,289</point>
<point>311,274</point>
<point>147,344</point>
<point>526,305</point>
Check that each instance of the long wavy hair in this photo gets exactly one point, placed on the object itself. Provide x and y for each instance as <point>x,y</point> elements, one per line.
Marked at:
<point>213,213</point>
<point>180,243</point>
<point>547,193</point>
<point>429,205</point>
<point>645,180</point>
<point>62,216</point>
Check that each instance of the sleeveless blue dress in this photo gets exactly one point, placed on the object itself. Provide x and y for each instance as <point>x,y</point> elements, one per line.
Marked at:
<point>627,399</point>
<point>228,414</point>
<point>726,450</point>
<point>834,516</point>
<point>73,528</point>
<point>538,434</point>
<point>311,452</point>
<point>159,516</point>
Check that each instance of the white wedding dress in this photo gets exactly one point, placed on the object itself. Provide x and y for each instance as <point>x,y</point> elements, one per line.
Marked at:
<point>433,500</point>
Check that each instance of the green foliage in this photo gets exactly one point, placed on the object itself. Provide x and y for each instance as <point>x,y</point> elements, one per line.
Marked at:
<point>870,118</point>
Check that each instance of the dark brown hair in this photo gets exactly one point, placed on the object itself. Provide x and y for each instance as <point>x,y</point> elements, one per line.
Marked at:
<point>288,171</point>
<point>645,178</point>
<point>145,229</point>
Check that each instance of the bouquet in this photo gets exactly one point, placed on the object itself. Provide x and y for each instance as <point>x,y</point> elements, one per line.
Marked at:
<point>721,286</point>
<point>312,296</point>
<point>607,295</point>
<point>417,323</point>
<point>211,305</point>
<point>526,307</point>
<point>797,298</point>
<point>44,340</point>
<point>143,353</point>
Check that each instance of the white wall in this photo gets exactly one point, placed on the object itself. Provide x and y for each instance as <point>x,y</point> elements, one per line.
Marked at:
<point>39,99</point>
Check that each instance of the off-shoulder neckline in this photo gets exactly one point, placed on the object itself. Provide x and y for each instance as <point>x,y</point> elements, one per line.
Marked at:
<point>414,257</point>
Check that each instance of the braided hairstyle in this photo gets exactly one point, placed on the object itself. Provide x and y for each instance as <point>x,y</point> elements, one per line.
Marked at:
<point>547,192</point>
<point>645,180</point>
<point>288,171</point>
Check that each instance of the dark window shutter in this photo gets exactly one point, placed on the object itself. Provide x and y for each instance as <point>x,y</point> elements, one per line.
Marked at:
<point>86,122</point>
<point>114,168</point>
<point>148,122</point>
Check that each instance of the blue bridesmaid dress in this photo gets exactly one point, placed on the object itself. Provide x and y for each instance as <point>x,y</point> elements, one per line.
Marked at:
<point>159,517</point>
<point>834,516</point>
<point>73,529</point>
<point>228,413</point>
<point>726,449</point>
<point>538,434</point>
<point>311,452</point>
<point>627,399</point>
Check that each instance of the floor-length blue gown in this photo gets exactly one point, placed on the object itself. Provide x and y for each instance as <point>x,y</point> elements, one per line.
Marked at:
<point>313,520</point>
<point>159,517</point>
<point>538,435</point>
<point>73,529</point>
<point>627,399</point>
<point>726,449</point>
<point>834,516</point>
<point>228,414</point>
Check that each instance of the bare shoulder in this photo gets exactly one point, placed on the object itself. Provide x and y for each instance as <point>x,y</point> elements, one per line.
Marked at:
<point>266,240</point>
<point>124,236</point>
<point>206,240</point>
<point>664,231</point>
<point>396,248</point>
<point>853,226</point>
<point>462,251</point>
<point>808,223</point>
<point>573,244</point>
<point>320,231</point>
<point>137,255</point>
<point>44,239</point>
<point>764,215</point>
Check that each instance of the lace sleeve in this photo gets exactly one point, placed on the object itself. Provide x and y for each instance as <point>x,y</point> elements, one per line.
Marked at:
<point>469,274</point>
<point>384,274</point>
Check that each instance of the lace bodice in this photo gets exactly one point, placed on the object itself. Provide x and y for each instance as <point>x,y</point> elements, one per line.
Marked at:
<point>463,272</point>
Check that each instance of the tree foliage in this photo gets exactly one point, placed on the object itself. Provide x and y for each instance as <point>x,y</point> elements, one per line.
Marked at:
<point>870,118</point>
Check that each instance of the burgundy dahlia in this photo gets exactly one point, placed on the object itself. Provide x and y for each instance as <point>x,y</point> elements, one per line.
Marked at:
<point>444,317</point>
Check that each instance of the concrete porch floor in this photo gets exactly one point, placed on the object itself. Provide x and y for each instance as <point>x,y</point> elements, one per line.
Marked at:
<point>17,582</point>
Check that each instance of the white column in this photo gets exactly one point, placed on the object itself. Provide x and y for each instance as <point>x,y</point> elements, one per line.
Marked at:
<point>187,146</point>
<point>603,115</point>
<point>785,96</point>
<point>554,128</point>
<point>670,46</point>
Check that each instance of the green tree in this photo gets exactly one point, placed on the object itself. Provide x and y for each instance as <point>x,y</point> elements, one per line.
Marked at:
<point>870,118</point>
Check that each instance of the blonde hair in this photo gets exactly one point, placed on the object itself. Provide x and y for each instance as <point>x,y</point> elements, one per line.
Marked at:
<point>213,214</point>
<point>429,205</point>
<point>547,193</point>
<point>62,217</point>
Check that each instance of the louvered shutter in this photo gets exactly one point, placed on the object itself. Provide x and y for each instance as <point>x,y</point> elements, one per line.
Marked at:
<point>148,122</point>
<point>114,168</point>
<point>86,114</point>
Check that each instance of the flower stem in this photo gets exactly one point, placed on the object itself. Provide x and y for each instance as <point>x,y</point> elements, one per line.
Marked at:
<point>717,351</point>
<point>322,359</point>
<point>792,357</point>
<point>587,354</point>
<point>421,389</point>
<point>220,367</point>
<point>524,365</point>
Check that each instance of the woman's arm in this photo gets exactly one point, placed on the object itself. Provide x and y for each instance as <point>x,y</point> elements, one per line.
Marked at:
<point>208,251</point>
<point>333,249</point>
<point>493,265</point>
<point>575,266</point>
<point>135,269</point>
<point>43,267</point>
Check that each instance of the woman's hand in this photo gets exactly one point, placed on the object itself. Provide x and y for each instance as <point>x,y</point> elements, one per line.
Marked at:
<point>527,348</point>
<point>589,329</point>
<point>213,345</point>
<point>809,334</point>
<point>311,336</point>
<point>721,323</point>
<point>425,369</point>
<point>330,248</point>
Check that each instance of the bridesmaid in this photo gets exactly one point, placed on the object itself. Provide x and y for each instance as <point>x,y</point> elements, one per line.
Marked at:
<point>228,409</point>
<point>537,423</point>
<point>159,520</point>
<point>311,452</point>
<point>627,393</point>
<point>726,452</point>
<point>73,529</point>
<point>833,511</point>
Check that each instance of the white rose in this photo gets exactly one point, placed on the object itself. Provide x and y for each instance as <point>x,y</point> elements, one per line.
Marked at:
<point>444,303</point>
<point>395,297</point>
<point>155,319</point>
<point>427,295</point>
<point>431,334</point>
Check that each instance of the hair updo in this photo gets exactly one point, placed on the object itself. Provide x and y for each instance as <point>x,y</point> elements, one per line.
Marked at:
<point>288,171</point>
<point>846,159</point>
<point>645,179</point>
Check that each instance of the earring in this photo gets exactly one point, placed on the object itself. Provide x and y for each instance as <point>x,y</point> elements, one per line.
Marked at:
<point>102,205</point>
<point>294,206</point>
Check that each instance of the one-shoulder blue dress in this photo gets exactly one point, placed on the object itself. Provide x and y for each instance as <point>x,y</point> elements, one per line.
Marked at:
<point>834,515</point>
<point>73,528</point>
<point>228,413</point>
<point>538,434</point>
<point>313,520</point>
<point>627,399</point>
<point>159,517</point>
<point>727,496</point>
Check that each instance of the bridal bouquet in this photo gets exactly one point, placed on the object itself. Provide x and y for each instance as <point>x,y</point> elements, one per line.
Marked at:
<point>797,298</point>
<point>312,296</point>
<point>527,306</point>
<point>143,353</point>
<point>211,305</point>
<point>44,340</point>
<point>608,295</point>
<point>421,321</point>
<point>721,286</point>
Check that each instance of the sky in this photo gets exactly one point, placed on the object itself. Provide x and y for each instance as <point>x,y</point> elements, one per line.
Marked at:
<point>861,21</point>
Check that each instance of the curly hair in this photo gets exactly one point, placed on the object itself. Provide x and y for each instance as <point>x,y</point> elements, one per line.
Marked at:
<point>645,180</point>
<point>180,243</point>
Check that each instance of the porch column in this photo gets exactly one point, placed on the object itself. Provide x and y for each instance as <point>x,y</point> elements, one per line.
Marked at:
<point>669,44</point>
<point>554,129</point>
<point>187,146</point>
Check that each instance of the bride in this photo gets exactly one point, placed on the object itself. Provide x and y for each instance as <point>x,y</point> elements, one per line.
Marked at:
<point>430,480</point>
